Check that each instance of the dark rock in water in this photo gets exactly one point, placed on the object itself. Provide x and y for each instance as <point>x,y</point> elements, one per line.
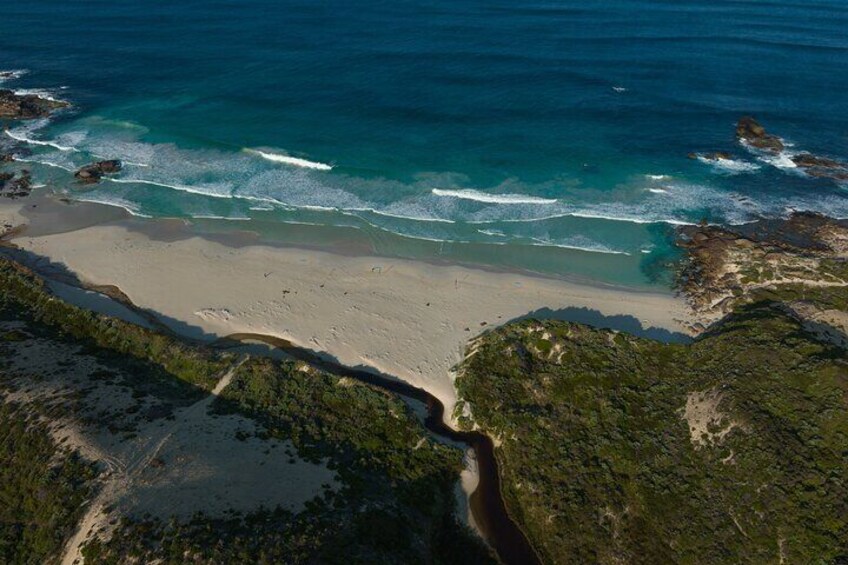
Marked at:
<point>808,160</point>
<point>6,157</point>
<point>750,131</point>
<point>26,106</point>
<point>822,167</point>
<point>94,172</point>
<point>15,186</point>
<point>109,167</point>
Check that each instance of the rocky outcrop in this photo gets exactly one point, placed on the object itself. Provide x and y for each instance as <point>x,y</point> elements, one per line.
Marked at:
<point>751,132</point>
<point>92,173</point>
<point>821,167</point>
<point>26,106</point>
<point>14,185</point>
<point>727,264</point>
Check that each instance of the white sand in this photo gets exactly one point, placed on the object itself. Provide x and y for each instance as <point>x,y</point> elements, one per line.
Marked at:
<point>404,318</point>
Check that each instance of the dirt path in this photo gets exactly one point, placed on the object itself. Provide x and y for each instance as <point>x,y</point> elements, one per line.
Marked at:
<point>120,476</point>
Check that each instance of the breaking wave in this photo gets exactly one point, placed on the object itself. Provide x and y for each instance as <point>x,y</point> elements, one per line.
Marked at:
<point>289,160</point>
<point>729,166</point>
<point>485,197</point>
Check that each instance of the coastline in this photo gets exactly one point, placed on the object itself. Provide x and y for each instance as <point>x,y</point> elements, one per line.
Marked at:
<point>399,317</point>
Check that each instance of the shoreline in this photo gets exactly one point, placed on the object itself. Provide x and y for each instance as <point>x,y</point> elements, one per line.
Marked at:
<point>400,317</point>
<point>55,213</point>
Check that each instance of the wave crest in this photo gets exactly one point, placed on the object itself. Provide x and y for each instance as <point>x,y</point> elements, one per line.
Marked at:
<point>485,197</point>
<point>289,160</point>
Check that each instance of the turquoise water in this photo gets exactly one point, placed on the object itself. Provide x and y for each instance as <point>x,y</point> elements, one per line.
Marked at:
<point>550,136</point>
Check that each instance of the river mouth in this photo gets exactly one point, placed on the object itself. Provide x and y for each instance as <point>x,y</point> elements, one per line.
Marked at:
<point>487,505</point>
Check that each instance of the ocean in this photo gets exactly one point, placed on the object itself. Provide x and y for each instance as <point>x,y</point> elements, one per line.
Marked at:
<point>547,136</point>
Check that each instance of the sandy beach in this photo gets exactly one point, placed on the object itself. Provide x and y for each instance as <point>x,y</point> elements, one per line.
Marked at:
<point>407,319</point>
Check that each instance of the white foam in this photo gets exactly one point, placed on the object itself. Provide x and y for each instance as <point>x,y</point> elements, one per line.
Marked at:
<point>45,163</point>
<point>289,160</point>
<point>18,135</point>
<point>40,92</point>
<point>478,196</point>
<point>493,233</point>
<point>596,216</point>
<point>12,74</point>
<point>619,89</point>
<point>180,187</point>
<point>214,217</point>
<point>402,216</point>
<point>658,177</point>
<point>111,201</point>
<point>589,248</point>
<point>658,190</point>
<point>782,160</point>
<point>731,166</point>
<point>588,215</point>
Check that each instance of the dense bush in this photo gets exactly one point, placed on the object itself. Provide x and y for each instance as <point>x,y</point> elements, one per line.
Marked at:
<point>598,460</point>
<point>42,488</point>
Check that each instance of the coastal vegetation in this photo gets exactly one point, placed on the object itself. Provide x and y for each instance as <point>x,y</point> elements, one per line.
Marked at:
<point>394,500</point>
<point>43,487</point>
<point>620,449</point>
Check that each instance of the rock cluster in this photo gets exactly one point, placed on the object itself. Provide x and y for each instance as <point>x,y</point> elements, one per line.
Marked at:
<point>724,264</point>
<point>92,173</point>
<point>751,132</point>
<point>821,167</point>
<point>15,185</point>
<point>26,106</point>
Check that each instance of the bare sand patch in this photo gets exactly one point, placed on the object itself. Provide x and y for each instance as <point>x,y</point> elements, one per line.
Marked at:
<point>708,425</point>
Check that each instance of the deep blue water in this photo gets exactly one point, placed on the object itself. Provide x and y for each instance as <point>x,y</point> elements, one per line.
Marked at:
<point>523,129</point>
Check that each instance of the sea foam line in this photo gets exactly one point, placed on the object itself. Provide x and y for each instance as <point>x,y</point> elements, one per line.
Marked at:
<point>133,210</point>
<point>214,217</point>
<point>587,215</point>
<point>289,160</point>
<point>731,166</point>
<point>594,216</point>
<point>12,74</point>
<point>400,216</point>
<point>179,187</point>
<point>478,196</point>
<point>45,163</point>
<point>24,139</point>
<point>40,92</point>
<point>604,250</point>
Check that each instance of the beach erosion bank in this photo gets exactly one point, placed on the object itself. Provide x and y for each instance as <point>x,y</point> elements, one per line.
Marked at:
<point>407,319</point>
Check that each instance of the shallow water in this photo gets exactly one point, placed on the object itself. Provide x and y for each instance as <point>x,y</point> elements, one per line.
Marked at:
<point>481,131</point>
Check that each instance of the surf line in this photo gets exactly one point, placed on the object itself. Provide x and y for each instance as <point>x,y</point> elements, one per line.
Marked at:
<point>289,160</point>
